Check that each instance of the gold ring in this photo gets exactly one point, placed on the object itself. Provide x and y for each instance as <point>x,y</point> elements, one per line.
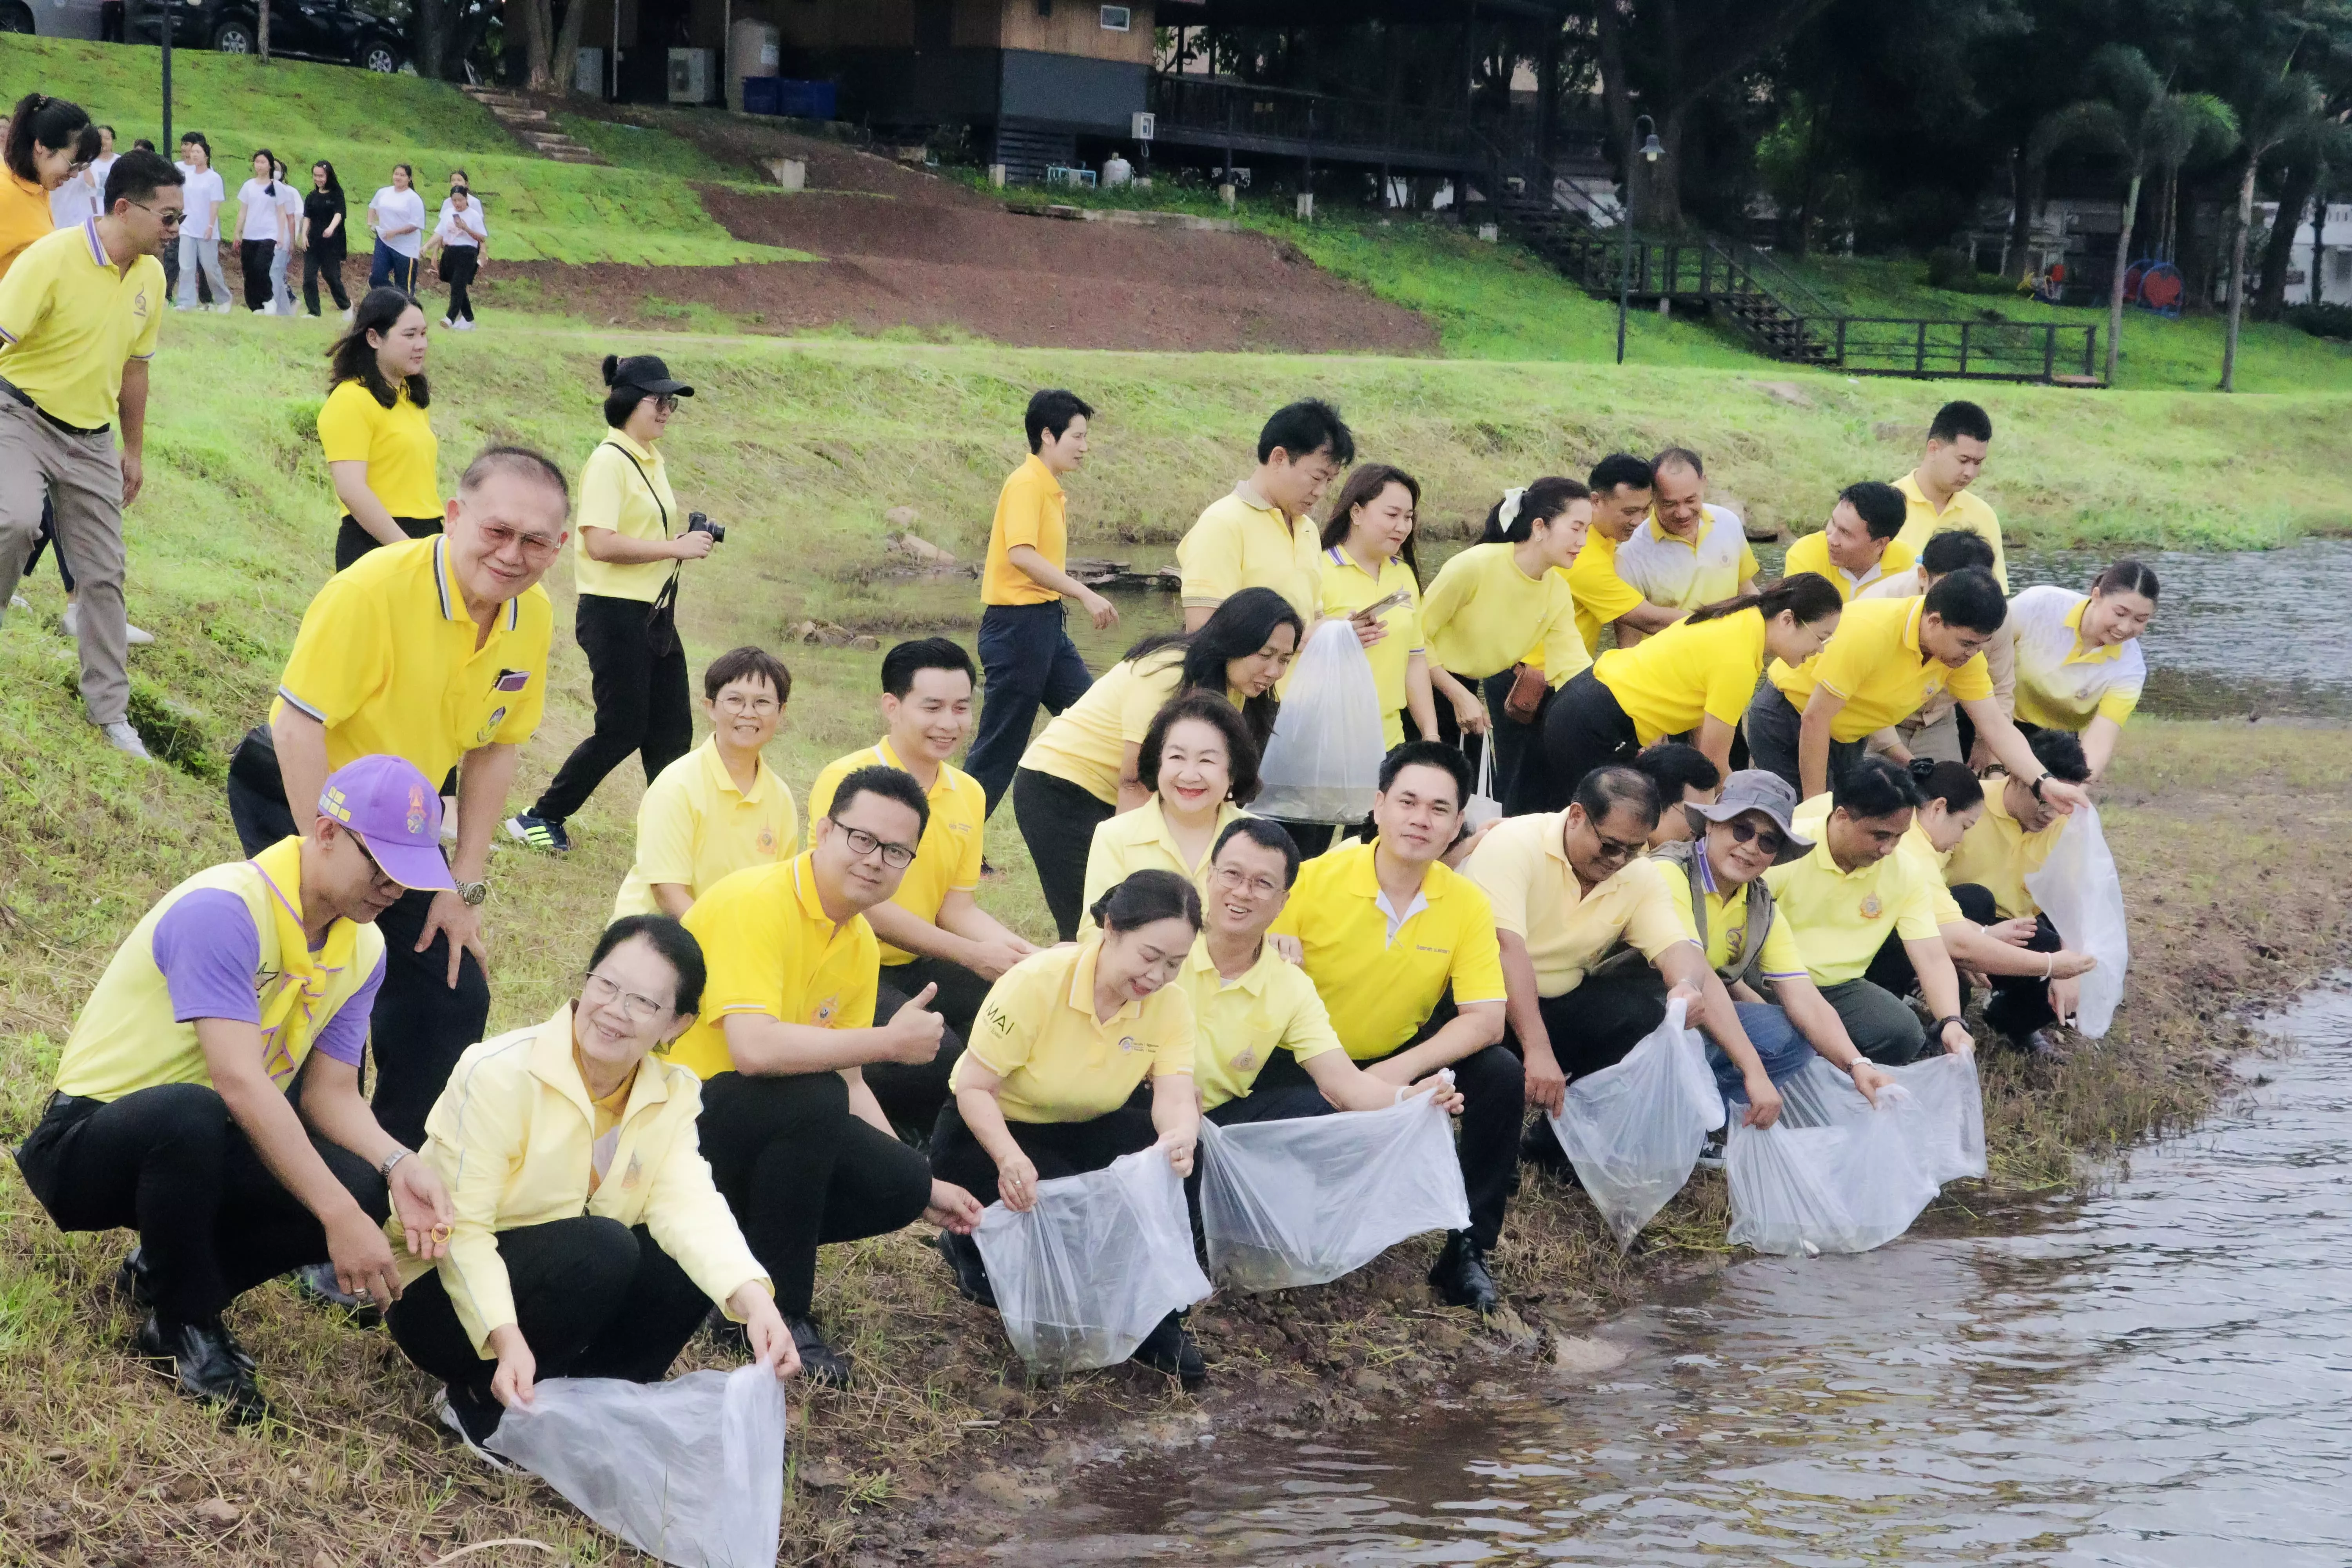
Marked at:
<point>440,1233</point>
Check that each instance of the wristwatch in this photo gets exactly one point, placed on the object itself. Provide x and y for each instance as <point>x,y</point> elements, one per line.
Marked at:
<point>395,1158</point>
<point>1936,1029</point>
<point>2036,785</point>
<point>473,893</point>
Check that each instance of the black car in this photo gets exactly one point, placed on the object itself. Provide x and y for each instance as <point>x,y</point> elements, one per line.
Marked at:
<point>334,30</point>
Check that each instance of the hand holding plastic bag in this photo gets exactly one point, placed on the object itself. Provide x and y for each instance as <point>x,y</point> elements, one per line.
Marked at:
<point>1303,1202</point>
<point>1322,762</point>
<point>1083,1275</point>
<point>2077,888</point>
<point>1633,1130</point>
<point>690,1471</point>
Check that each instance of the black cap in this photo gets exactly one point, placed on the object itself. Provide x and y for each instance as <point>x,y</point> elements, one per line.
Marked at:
<point>646,372</point>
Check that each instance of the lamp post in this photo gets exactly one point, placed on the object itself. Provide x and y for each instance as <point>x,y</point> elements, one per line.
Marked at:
<point>169,147</point>
<point>1650,149</point>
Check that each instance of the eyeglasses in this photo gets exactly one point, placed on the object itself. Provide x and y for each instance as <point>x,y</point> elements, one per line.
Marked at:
<point>369,854</point>
<point>1613,852</point>
<point>863,844</point>
<point>757,707</point>
<point>1743,830</point>
<point>1243,882</point>
<point>169,220</point>
<point>599,991</point>
<point>537,546</point>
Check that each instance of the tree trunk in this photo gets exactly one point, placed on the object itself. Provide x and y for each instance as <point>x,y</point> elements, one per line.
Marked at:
<point>1662,182</point>
<point>2116,286</point>
<point>2238,271</point>
<point>567,47</point>
<point>261,33</point>
<point>2278,256</point>
<point>535,42</point>
<point>1616,95</point>
<point>2020,206</point>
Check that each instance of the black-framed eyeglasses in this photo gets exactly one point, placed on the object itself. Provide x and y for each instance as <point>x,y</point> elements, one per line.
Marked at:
<point>862,844</point>
<point>1615,852</point>
<point>1743,830</point>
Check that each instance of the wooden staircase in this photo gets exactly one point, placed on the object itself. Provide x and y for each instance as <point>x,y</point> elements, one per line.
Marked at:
<point>529,126</point>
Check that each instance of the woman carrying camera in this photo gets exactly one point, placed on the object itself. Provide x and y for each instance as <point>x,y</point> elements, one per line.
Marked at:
<point>633,538</point>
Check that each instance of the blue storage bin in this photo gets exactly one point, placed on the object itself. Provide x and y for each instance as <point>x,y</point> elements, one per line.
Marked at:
<point>805,100</point>
<point>761,95</point>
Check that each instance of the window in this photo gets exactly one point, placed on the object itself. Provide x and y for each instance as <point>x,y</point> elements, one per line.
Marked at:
<point>1115,18</point>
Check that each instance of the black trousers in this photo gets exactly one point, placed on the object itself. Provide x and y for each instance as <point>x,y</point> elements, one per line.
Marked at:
<point>593,1298</point>
<point>48,541</point>
<point>1057,820</point>
<point>1773,725</point>
<point>642,705</point>
<point>173,1164</point>
<point>2020,1003</point>
<point>252,258</point>
<point>422,1024</point>
<point>321,263</point>
<point>800,1172</point>
<point>1029,662</point>
<point>911,1096</point>
<point>1584,729</point>
<point>1055,1148</point>
<point>353,542</point>
<point>459,265</point>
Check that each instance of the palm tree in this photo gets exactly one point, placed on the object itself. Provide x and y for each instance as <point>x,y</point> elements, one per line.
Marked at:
<point>2146,125</point>
<point>2287,110</point>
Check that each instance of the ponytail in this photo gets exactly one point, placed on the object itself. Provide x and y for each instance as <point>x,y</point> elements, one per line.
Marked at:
<point>1809,594</point>
<point>1950,783</point>
<point>2126,576</point>
<point>1145,896</point>
<point>1514,518</point>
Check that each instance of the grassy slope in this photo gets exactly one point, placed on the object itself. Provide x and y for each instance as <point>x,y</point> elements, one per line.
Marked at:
<point>539,210</point>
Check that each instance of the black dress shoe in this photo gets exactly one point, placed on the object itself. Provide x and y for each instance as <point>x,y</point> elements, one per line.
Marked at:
<point>133,1282</point>
<point>1460,1276</point>
<point>207,1363</point>
<point>820,1363</point>
<point>971,1272</point>
<point>1170,1347</point>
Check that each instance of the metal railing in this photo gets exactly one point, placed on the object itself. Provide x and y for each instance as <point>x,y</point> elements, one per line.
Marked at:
<point>2002,351</point>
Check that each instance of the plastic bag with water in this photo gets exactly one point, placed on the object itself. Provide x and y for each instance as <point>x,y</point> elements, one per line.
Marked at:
<point>1633,1130</point>
<point>1322,762</point>
<point>1303,1202</point>
<point>2077,888</point>
<point>1082,1277</point>
<point>1483,807</point>
<point>690,1471</point>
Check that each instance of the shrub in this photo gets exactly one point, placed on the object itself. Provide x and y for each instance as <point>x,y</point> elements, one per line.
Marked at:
<point>1953,269</point>
<point>2323,320</point>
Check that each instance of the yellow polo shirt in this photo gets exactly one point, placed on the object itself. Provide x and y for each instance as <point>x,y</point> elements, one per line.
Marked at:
<point>1031,509</point>
<point>1671,680</point>
<point>1813,815</point>
<point>1522,868</point>
<point>1997,854</point>
<point>1922,522</point>
<point>947,860</point>
<point>1348,588</point>
<point>397,444</point>
<point>1602,596</point>
<point>771,948</point>
<point>695,829</point>
<point>1038,1032</point>
<point>385,660</point>
<point>1842,918</point>
<point>1240,541</point>
<point>1727,921</point>
<point>24,217</point>
<point>1381,988</point>
<point>1141,840</point>
<point>1812,553</point>
<point>1240,1023</point>
<point>1686,573</point>
<point>1483,615</point>
<point>636,502</point>
<point>68,320</point>
<point>1086,741</point>
<point>1873,661</point>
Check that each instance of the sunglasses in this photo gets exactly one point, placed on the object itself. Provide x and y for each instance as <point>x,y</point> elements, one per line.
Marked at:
<point>1744,831</point>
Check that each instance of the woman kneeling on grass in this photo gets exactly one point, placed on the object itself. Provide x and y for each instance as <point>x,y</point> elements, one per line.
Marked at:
<point>1046,1086</point>
<point>589,1240</point>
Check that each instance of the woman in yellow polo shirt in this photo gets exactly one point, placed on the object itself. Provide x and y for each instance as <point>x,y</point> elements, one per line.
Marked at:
<point>1693,678</point>
<point>49,141</point>
<point>1083,768</point>
<point>1368,559</point>
<point>2078,660</point>
<point>382,454</point>
<point>1200,766</point>
<point>1045,1088</point>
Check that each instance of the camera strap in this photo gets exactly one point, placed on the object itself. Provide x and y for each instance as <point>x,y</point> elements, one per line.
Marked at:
<point>661,620</point>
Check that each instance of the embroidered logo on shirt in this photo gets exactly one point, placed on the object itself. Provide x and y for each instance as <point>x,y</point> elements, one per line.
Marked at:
<point>1247,1060</point>
<point>1129,1042</point>
<point>139,304</point>
<point>1440,951</point>
<point>490,726</point>
<point>767,841</point>
<point>1871,907</point>
<point>822,1016</point>
<point>1739,940</point>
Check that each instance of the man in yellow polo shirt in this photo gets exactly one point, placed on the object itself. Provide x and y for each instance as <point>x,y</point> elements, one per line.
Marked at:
<point>1260,536</point>
<point>1622,489</point>
<point>794,1137</point>
<point>1402,951</point>
<point>1688,553</point>
<point>1936,494</point>
<point>1025,644</point>
<point>2005,845</point>
<point>934,932</point>
<point>436,651</point>
<point>79,313</point>
<point>1858,546</point>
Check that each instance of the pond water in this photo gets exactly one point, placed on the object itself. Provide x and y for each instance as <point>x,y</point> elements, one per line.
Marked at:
<point>2204,660</point>
<point>2155,1374</point>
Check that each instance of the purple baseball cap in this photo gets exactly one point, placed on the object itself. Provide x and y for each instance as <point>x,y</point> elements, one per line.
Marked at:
<point>395,814</point>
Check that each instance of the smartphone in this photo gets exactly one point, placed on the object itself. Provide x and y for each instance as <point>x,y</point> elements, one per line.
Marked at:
<point>1378,607</point>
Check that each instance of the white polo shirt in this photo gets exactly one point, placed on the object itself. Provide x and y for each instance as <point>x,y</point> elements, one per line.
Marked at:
<point>1683,575</point>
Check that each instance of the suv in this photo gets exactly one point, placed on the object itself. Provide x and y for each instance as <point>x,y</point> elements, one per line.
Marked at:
<point>335,30</point>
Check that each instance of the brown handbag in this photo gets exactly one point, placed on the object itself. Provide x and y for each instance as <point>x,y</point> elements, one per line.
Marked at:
<point>1526,694</point>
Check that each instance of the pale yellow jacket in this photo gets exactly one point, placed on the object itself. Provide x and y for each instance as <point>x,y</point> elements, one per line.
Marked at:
<point>512,1136</point>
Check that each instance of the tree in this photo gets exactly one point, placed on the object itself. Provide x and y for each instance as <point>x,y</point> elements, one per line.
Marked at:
<point>2287,112</point>
<point>567,45</point>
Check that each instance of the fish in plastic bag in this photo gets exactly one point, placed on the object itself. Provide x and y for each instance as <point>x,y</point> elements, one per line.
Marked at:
<point>1082,1277</point>
<point>1322,763</point>
<point>1302,1202</point>
<point>690,1471</point>
<point>2077,888</point>
<point>1633,1130</point>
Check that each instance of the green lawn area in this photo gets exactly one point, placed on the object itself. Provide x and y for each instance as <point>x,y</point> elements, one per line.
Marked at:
<point>640,212</point>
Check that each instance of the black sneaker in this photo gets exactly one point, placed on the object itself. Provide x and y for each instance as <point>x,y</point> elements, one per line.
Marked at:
<point>1461,1277</point>
<point>471,1417</point>
<point>820,1363</point>
<point>970,1273</point>
<point>538,833</point>
<point>1169,1349</point>
<point>315,1283</point>
<point>207,1364</point>
<point>1710,1154</point>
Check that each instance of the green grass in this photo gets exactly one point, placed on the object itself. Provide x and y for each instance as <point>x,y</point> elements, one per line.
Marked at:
<point>642,213</point>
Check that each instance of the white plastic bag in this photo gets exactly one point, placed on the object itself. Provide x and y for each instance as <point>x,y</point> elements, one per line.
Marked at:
<point>690,1471</point>
<point>1633,1130</point>
<point>2077,888</point>
<point>1302,1202</point>
<point>1082,1277</point>
<point>1322,762</point>
<point>1484,807</point>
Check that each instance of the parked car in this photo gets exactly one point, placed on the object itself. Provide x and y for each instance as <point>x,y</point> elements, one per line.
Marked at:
<point>335,30</point>
<point>50,18</point>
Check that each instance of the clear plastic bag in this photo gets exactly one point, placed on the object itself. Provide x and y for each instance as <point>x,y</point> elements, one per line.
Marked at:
<point>1633,1130</point>
<point>690,1471</point>
<point>2077,888</point>
<point>1484,807</point>
<point>1303,1202</point>
<point>1082,1277</point>
<point>1322,762</point>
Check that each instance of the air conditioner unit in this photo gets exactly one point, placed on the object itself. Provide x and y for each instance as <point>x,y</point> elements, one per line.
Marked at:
<point>689,76</point>
<point>1140,125</point>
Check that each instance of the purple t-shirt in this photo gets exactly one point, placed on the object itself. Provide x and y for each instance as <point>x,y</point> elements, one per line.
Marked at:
<point>209,952</point>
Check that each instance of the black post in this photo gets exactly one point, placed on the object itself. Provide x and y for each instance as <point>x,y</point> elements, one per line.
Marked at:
<point>1919,357</point>
<point>2049,352</point>
<point>167,146</point>
<point>1964,348</point>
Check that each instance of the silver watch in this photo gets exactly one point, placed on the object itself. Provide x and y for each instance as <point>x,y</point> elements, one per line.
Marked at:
<point>473,893</point>
<point>395,1158</point>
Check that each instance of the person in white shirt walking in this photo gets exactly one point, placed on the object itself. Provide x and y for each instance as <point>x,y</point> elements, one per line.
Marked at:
<point>396,214</point>
<point>260,232</point>
<point>200,234</point>
<point>463,240</point>
<point>289,203</point>
<point>82,196</point>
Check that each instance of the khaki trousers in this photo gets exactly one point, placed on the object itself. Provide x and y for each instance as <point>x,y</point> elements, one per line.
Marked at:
<point>82,475</point>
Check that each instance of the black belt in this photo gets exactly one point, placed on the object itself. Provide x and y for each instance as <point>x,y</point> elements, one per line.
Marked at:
<point>21,395</point>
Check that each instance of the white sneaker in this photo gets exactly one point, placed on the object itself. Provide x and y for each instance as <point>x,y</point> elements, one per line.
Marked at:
<point>447,324</point>
<point>441,1408</point>
<point>70,624</point>
<point>223,309</point>
<point>125,739</point>
<point>18,602</point>
<point>136,637</point>
<point>466,325</point>
<point>261,312</point>
<point>347,314</point>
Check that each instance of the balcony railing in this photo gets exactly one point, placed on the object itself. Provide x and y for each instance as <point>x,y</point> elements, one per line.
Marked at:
<point>1239,109</point>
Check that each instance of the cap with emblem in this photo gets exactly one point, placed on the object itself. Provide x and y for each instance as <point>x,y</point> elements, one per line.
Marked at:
<point>395,814</point>
<point>1753,789</point>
